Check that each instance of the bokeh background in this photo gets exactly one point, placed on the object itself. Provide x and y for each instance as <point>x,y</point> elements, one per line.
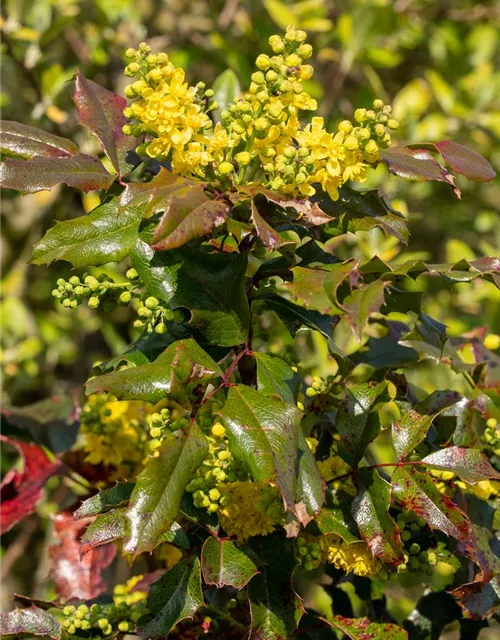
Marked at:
<point>435,61</point>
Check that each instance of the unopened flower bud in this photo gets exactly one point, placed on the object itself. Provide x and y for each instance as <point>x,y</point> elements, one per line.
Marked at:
<point>225,168</point>
<point>263,62</point>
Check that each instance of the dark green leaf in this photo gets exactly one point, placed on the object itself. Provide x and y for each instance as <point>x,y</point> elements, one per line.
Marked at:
<point>310,487</point>
<point>176,535</point>
<point>274,377</point>
<point>175,596</point>
<point>21,140</point>
<point>227,563</point>
<point>29,622</point>
<point>295,317</point>
<point>363,628</point>
<point>337,522</point>
<point>159,488</point>
<point>105,235</point>
<point>105,499</point>
<point>385,352</point>
<point>469,464</point>
<point>316,288</point>
<point>362,303</point>
<point>463,160</point>
<point>106,528</point>
<point>431,615</point>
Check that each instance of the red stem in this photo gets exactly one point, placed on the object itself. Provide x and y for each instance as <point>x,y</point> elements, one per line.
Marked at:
<point>227,374</point>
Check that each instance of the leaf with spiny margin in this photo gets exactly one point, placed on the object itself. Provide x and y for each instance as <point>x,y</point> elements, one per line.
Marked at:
<point>264,434</point>
<point>105,499</point>
<point>188,214</point>
<point>275,608</point>
<point>355,421</point>
<point>155,501</point>
<point>471,465</point>
<point>210,285</point>
<point>177,595</point>
<point>100,237</point>
<point>385,352</point>
<point>156,193</point>
<point>228,563</point>
<point>179,372</point>
<point>370,510</point>
<point>418,493</point>
<point>463,160</point>
<point>275,377</point>
<point>79,171</point>
<point>101,111</point>
<point>22,141</point>
<point>364,629</point>
<point>316,288</point>
<point>361,303</point>
<point>412,427</point>
<point>32,621</point>
<point>269,236</point>
<point>106,528</point>
<point>295,317</point>
<point>337,522</point>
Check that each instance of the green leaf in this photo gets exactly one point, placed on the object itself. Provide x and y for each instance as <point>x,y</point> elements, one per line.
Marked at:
<point>363,628</point>
<point>269,236</point>
<point>32,621</point>
<point>177,595</point>
<point>155,501</point>
<point>418,493</point>
<point>210,285</point>
<point>412,427</point>
<point>471,465</point>
<point>370,510</point>
<point>337,522</point>
<point>355,422</point>
<point>275,607</point>
<point>79,171</point>
<point>264,434</point>
<point>310,487</point>
<point>100,237</point>
<point>361,303</point>
<point>23,141</point>
<point>105,499</point>
<point>227,563</point>
<point>432,613</point>
<point>106,528</point>
<point>463,160</point>
<point>295,317</point>
<point>317,288</point>
<point>274,376</point>
<point>385,352</point>
<point>189,213</point>
<point>101,111</point>
<point>176,535</point>
<point>226,88</point>
<point>179,372</point>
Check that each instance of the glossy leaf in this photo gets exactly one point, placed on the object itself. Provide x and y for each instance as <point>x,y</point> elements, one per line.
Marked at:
<point>159,488</point>
<point>106,528</point>
<point>210,285</point>
<point>227,563</point>
<point>414,423</point>
<point>175,596</point>
<point>156,193</point>
<point>32,621</point>
<point>362,303</point>
<point>295,317</point>
<point>23,141</point>
<point>363,628</point>
<point>370,510</point>
<point>337,522</point>
<point>101,111</point>
<point>79,171</point>
<point>463,160</point>
<point>317,288</point>
<point>266,233</point>
<point>180,372</point>
<point>274,376</point>
<point>310,490</point>
<point>469,464</point>
<point>105,499</point>
<point>105,235</point>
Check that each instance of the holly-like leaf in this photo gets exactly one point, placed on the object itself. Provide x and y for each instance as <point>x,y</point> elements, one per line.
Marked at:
<point>274,376</point>
<point>370,510</point>
<point>175,596</point>
<point>227,563</point>
<point>74,577</point>
<point>317,288</point>
<point>363,628</point>
<point>79,171</point>
<point>106,528</point>
<point>295,317</point>
<point>337,522</point>
<point>189,213</point>
<point>210,285</point>
<point>101,111</point>
<point>181,372</point>
<point>266,233</point>
<point>23,141</point>
<point>362,303</point>
<point>176,535</point>
<point>32,621</point>
<point>463,160</point>
<point>105,235</point>
<point>355,422</point>
<point>418,493</point>
<point>155,501</point>
<point>470,465</point>
<point>105,499</point>
<point>264,434</point>
<point>21,490</point>
<point>412,427</point>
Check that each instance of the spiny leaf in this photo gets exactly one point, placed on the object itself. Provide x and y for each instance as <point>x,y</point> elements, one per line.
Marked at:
<point>363,628</point>
<point>156,193</point>
<point>295,317</point>
<point>463,160</point>
<point>469,464</point>
<point>274,376</point>
<point>362,303</point>
<point>23,141</point>
<point>105,499</point>
<point>32,621</point>
<point>106,528</point>
<point>100,237</point>
<point>227,563</point>
<point>266,233</point>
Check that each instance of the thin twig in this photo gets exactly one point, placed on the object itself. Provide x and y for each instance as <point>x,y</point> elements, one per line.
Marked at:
<point>377,466</point>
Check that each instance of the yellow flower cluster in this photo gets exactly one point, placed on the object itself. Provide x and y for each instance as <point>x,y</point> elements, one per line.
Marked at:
<point>250,509</point>
<point>127,592</point>
<point>354,557</point>
<point>260,137</point>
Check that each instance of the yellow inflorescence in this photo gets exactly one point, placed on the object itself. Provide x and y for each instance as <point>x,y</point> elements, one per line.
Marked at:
<point>260,137</point>
<point>354,557</point>
<point>127,592</point>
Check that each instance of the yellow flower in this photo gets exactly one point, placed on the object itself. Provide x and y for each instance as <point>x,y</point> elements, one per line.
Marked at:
<point>249,509</point>
<point>332,468</point>
<point>354,557</point>
<point>168,554</point>
<point>127,593</point>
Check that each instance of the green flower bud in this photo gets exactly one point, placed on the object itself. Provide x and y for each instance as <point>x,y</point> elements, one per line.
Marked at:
<point>130,53</point>
<point>360,115</point>
<point>144,312</point>
<point>74,280</point>
<point>131,274</point>
<point>392,124</point>
<point>305,51</point>
<point>92,282</point>
<point>66,303</point>
<point>258,77</point>
<point>125,297</point>
<point>93,302</point>
<point>277,44</point>
<point>102,623</point>
<point>378,104</point>
<point>161,328</point>
<point>271,75</point>
<point>364,133</point>
<point>132,69</point>
<point>243,158</point>
<point>151,302</point>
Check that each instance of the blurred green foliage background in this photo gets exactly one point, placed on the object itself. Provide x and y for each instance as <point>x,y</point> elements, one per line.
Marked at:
<point>435,61</point>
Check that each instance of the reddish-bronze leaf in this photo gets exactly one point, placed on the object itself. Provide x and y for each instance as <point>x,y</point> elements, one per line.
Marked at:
<point>21,490</point>
<point>469,464</point>
<point>32,621</point>
<point>463,160</point>
<point>21,140</point>
<point>266,233</point>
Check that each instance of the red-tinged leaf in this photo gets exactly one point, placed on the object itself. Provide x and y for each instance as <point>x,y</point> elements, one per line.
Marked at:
<point>266,233</point>
<point>364,629</point>
<point>25,142</point>
<point>361,303</point>
<point>101,111</point>
<point>29,622</point>
<point>21,490</point>
<point>463,160</point>
<point>155,193</point>
<point>189,214</point>
<point>76,577</point>
<point>225,562</point>
<point>416,164</point>
<point>418,493</point>
<point>106,528</point>
<point>39,174</point>
<point>479,601</point>
<point>470,465</point>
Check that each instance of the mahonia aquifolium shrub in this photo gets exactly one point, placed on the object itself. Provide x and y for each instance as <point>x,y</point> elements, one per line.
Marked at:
<point>211,454</point>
